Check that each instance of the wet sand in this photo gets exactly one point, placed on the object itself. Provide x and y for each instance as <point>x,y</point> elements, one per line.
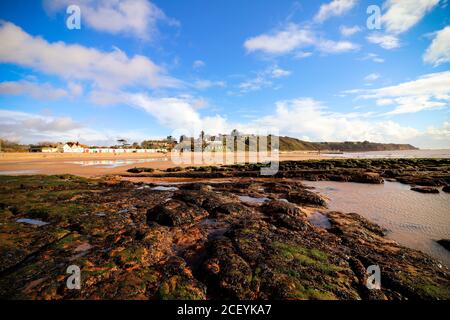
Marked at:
<point>90,165</point>
<point>413,219</point>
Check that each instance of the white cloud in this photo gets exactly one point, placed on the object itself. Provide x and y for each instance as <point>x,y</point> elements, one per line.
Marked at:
<point>263,79</point>
<point>32,128</point>
<point>303,54</point>
<point>440,133</point>
<point>386,41</point>
<point>302,117</point>
<point>254,84</point>
<point>206,84</point>
<point>198,64</point>
<point>384,102</point>
<point>75,88</point>
<point>372,77</point>
<point>107,98</point>
<point>292,38</point>
<point>330,46</point>
<point>401,15</point>
<point>373,57</point>
<point>434,137</point>
<point>277,72</point>
<point>280,42</point>
<point>349,31</point>
<point>34,89</point>
<point>135,17</point>
<point>111,70</point>
<point>308,117</point>
<point>178,113</point>
<point>433,84</point>
<point>439,50</point>
<point>334,8</point>
<point>174,112</point>
<point>428,92</point>
<point>415,104</point>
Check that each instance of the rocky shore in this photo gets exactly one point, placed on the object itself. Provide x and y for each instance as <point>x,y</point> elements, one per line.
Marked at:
<point>240,237</point>
<point>415,172</point>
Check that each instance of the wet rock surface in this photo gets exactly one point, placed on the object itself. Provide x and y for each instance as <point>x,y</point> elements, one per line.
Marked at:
<point>199,241</point>
<point>420,172</point>
<point>445,243</point>
<point>425,189</point>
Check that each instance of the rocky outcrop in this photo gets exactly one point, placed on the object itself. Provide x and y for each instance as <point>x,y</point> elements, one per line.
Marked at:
<point>416,172</point>
<point>199,242</point>
<point>445,243</point>
<point>306,197</point>
<point>425,189</point>
<point>175,213</point>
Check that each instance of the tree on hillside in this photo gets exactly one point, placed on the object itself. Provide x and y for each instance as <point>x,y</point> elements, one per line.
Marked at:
<point>10,146</point>
<point>123,142</point>
<point>171,139</point>
<point>235,133</point>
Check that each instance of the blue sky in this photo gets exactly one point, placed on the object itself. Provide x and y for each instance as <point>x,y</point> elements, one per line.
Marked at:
<point>310,69</point>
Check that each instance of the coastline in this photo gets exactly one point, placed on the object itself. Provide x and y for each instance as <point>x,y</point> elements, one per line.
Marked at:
<point>222,233</point>
<point>92,165</point>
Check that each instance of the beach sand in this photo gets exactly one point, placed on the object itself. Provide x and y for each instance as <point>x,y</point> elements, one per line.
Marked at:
<point>89,165</point>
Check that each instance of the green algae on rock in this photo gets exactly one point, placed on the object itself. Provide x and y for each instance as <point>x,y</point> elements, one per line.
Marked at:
<point>199,242</point>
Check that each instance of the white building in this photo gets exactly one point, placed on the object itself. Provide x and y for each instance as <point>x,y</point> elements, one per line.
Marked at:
<point>73,147</point>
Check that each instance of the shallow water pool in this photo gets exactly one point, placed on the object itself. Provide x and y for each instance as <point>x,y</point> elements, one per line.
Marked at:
<point>413,219</point>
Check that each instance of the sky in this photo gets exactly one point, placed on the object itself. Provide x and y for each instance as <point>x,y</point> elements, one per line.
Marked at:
<point>333,70</point>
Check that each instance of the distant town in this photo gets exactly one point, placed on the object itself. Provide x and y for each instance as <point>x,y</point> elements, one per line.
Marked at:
<point>206,143</point>
<point>147,146</point>
<point>203,142</point>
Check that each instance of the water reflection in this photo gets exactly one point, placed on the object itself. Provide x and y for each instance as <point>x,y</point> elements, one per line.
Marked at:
<point>413,219</point>
<point>114,163</point>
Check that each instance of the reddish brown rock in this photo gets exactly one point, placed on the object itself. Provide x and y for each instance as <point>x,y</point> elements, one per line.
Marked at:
<point>174,213</point>
<point>425,189</point>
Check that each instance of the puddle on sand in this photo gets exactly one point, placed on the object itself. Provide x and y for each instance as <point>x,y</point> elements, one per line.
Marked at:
<point>252,200</point>
<point>415,220</point>
<point>164,188</point>
<point>143,187</point>
<point>109,164</point>
<point>16,172</point>
<point>319,220</point>
<point>32,221</point>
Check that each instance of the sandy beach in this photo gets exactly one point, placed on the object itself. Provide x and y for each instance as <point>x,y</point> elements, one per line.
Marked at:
<point>89,165</point>
<point>228,232</point>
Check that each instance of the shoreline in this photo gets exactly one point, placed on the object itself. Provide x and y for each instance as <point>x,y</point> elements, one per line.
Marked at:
<point>233,234</point>
<point>93,165</point>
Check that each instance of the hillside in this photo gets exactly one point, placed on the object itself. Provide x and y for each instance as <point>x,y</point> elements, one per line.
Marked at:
<point>293,144</point>
<point>362,146</point>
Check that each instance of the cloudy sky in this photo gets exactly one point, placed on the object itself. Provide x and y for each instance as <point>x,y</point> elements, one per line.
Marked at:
<point>316,70</point>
